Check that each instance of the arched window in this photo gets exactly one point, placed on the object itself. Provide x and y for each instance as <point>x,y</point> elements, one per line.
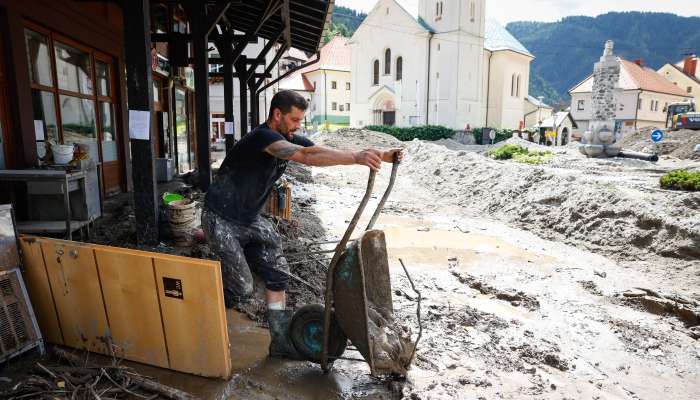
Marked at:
<point>399,68</point>
<point>517,87</point>
<point>387,62</point>
<point>375,75</point>
<point>512,85</point>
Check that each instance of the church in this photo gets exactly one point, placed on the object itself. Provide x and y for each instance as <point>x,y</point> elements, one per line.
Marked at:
<point>448,66</point>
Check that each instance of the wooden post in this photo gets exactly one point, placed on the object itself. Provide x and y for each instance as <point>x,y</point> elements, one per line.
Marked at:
<point>137,43</point>
<point>198,18</point>
<point>254,105</point>
<point>243,92</point>
<point>227,49</point>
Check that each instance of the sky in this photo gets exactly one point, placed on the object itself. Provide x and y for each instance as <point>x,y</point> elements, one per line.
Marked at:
<point>505,11</point>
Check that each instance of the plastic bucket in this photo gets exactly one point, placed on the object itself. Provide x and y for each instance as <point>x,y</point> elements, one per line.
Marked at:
<point>170,197</point>
<point>181,217</point>
<point>62,154</point>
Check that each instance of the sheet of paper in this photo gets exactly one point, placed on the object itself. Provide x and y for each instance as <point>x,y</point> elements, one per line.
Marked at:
<point>228,128</point>
<point>39,129</point>
<point>139,125</point>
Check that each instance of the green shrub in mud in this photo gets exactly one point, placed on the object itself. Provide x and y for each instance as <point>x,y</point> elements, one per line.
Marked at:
<point>681,179</point>
<point>520,154</point>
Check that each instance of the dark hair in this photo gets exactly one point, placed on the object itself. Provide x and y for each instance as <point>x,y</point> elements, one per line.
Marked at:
<point>285,99</point>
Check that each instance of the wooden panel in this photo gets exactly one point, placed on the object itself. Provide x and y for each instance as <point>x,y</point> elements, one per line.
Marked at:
<point>131,300</point>
<point>112,177</point>
<point>39,290</point>
<point>77,294</point>
<point>194,316</point>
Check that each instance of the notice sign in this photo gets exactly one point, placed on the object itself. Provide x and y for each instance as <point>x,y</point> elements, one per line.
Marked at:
<point>39,129</point>
<point>139,125</point>
<point>228,128</point>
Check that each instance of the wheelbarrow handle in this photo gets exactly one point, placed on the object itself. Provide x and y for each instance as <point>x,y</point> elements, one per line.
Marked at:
<point>387,192</point>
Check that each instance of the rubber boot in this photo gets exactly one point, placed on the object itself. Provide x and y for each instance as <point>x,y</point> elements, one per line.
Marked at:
<point>280,342</point>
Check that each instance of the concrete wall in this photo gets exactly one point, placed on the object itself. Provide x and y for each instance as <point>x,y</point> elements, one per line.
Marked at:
<point>506,106</point>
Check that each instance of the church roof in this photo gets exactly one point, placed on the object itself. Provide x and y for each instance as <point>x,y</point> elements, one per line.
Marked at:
<point>498,38</point>
<point>536,102</point>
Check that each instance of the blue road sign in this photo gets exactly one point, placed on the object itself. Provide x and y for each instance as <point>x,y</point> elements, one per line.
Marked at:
<point>657,136</point>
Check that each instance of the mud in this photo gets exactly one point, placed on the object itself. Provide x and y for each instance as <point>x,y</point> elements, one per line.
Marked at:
<point>392,347</point>
<point>537,313</point>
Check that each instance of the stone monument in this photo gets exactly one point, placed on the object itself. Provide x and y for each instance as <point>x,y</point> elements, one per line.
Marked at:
<point>599,140</point>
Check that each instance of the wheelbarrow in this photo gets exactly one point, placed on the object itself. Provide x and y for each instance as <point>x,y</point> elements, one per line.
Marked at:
<point>357,283</point>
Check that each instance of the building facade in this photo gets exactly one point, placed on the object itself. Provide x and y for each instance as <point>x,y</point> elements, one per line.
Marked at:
<point>686,75</point>
<point>449,66</point>
<point>641,99</point>
<point>536,111</point>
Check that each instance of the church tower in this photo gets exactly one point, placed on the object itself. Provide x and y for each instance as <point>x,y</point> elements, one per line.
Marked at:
<point>454,15</point>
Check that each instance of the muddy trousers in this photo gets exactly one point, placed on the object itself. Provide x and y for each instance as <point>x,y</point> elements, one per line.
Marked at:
<point>245,249</point>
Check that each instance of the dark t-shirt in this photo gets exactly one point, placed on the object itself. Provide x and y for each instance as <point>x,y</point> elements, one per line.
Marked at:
<point>247,176</point>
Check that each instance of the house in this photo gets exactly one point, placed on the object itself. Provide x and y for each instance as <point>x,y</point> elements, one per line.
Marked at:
<point>642,97</point>
<point>506,79</point>
<point>560,127</point>
<point>331,84</point>
<point>536,111</point>
<point>684,74</point>
<point>448,66</point>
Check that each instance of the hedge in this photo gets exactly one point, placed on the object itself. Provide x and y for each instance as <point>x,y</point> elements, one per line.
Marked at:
<point>425,132</point>
<point>681,180</point>
<point>501,135</point>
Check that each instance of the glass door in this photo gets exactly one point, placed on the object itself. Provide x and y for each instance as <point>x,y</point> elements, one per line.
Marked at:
<point>181,132</point>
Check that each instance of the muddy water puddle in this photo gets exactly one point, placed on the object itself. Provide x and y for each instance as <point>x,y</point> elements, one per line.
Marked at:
<point>256,376</point>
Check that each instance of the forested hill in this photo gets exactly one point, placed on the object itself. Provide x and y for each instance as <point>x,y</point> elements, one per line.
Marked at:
<point>565,51</point>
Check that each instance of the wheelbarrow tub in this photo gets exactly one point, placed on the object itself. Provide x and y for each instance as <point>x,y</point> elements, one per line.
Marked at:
<point>361,280</point>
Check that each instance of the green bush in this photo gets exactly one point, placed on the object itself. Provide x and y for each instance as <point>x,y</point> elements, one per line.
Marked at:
<point>425,132</point>
<point>681,180</point>
<point>507,152</point>
<point>519,154</point>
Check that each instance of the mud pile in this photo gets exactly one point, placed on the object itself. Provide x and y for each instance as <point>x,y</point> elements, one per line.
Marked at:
<point>358,139</point>
<point>609,217</point>
<point>679,144</point>
<point>392,345</point>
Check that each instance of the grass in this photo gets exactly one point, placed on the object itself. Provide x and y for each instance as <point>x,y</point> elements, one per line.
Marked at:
<point>681,179</point>
<point>520,154</point>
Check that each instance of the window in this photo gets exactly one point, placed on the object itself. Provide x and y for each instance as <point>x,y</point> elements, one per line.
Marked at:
<point>387,62</point>
<point>438,10</point>
<point>342,107</point>
<point>651,106</point>
<point>689,89</point>
<point>77,93</point>
<point>472,12</point>
<point>517,87</point>
<point>581,105</point>
<point>347,106</point>
<point>375,73</point>
<point>314,86</point>
<point>512,85</point>
<point>334,85</point>
<point>334,106</point>
<point>399,68</point>
<point>347,85</point>
<point>639,104</point>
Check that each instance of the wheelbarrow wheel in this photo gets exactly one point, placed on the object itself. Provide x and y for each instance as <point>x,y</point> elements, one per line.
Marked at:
<point>306,332</point>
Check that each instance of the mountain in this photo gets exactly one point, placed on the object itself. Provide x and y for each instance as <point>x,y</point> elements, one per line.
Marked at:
<point>344,21</point>
<point>566,50</point>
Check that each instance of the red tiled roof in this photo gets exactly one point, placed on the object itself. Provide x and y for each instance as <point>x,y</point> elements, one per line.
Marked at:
<point>650,80</point>
<point>335,55</point>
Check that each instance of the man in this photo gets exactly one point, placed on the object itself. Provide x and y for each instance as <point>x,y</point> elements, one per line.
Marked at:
<point>246,242</point>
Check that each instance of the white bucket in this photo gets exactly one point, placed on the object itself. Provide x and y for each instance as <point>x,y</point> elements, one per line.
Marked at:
<point>181,216</point>
<point>62,154</point>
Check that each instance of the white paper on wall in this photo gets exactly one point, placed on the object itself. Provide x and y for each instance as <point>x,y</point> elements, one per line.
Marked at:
<point>139,125</point>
